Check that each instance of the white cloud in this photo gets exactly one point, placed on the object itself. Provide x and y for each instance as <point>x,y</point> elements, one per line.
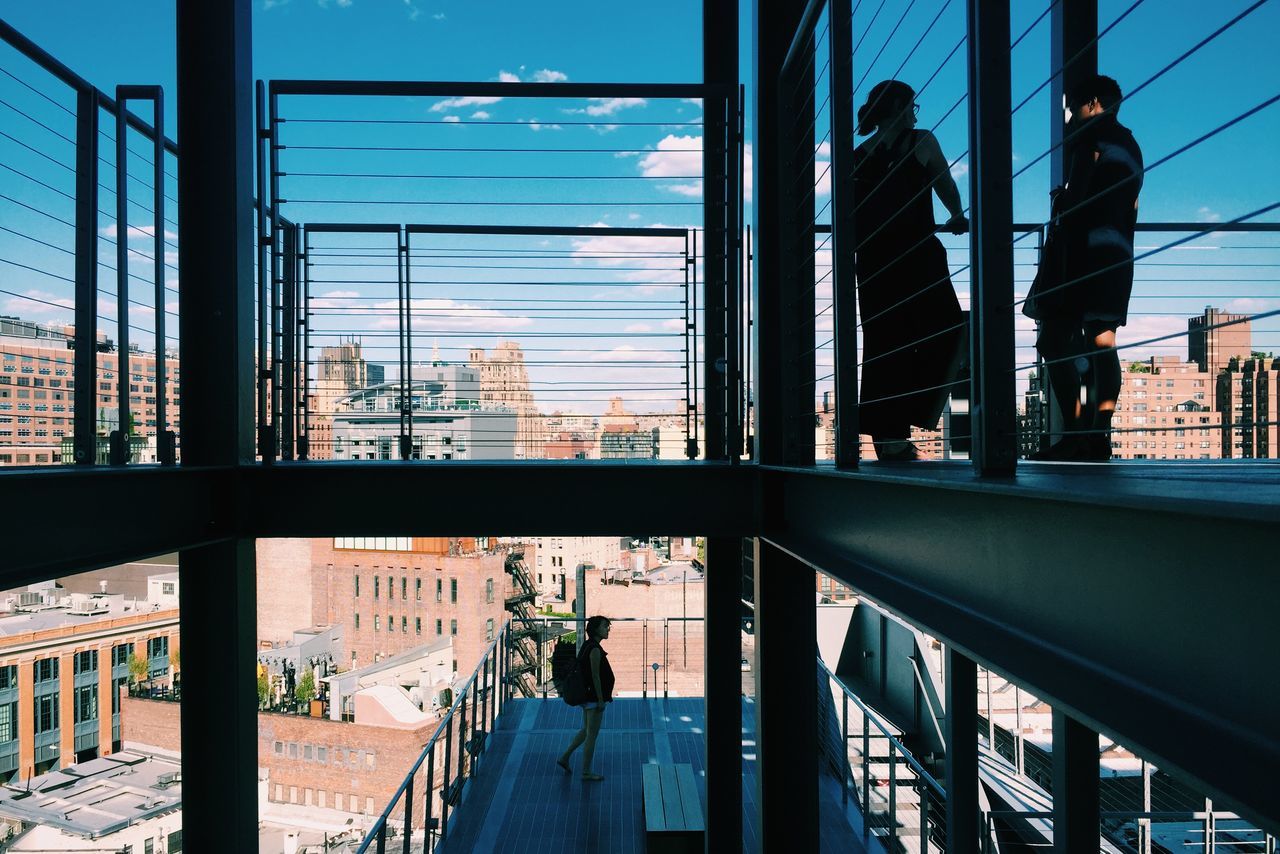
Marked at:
<point>438,16</point>
<point>1144,328</point>
<point>21,307</point>
<point>536,125</point>
<point>664,267</point>
<point>1207,214</point>
<point>268,5</point>
<point>480,114</point>
<point>442,314</point>
<point>508,77</point>
<point>608,106</point>
<point>675,157</point>
<point>693,190</point>
<point>136,231</point>
<point>546,75</point>
<point>823,150</point>
<point>633,216</point>
<point>959,169</point>
<point>469,101</point>
<point>673,324</point>
<point>638,327</point>
<point>452,119</point>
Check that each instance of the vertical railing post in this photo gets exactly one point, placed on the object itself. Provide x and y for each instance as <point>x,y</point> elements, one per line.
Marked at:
<point>844,745</point>
<point>428,808</point>
<point>866,782</point>
<point>447,783</point>
<point>995,448</point>
<point>303,275</point>
<point>408,816</point>
<point>402,256</point>
<point>262,137</point>
<point>922,788</point>
<point>407,449</point>
<point>843,235</point>
<point>961,687</point>
<point>277,369</point>
<point>893,793</point>
<point>119,442</point>
<point>288,245</point>
<point>86,305</point>
<point>1076,817</point>
<point>1210,831</point>
<point>1144,825</point>
<point>166,446</point>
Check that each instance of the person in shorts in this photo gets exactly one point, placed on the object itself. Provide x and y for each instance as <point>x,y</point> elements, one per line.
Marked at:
<point>599,678</point>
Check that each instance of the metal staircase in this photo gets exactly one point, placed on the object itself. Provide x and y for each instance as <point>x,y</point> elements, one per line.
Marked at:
<point>524,637</point>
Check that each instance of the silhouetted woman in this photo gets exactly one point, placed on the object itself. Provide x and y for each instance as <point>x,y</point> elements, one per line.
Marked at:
<point>912,331</point>
<point>599,678</point>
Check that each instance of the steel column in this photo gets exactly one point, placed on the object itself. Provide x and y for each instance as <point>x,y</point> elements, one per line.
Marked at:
<point>1075,785</point>
<point>786,702</point>
<point>261,138</point>
<point>166,439</point>
<point>119,441</point>
<point>86,310</point>
<point>288,373</point>
<point>961,687</point>
<point>995,449</point>
<point>843,236</point>
<point>723,647</point>
<point>215,178</point>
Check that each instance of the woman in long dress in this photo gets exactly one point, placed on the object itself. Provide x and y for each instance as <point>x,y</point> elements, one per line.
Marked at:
<point>912,326</point>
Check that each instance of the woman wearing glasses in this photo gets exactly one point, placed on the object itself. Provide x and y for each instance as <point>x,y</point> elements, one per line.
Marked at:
<point>912,326</point>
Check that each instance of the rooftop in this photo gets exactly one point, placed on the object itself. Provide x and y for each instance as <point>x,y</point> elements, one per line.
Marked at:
<point>97,797</point>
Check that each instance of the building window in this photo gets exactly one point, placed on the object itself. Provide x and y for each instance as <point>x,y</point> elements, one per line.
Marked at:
<point>120,655</point>
<point>417,621</point>
<point>488,590</point>
<point>439,628</point>
<point>9,676</point>
<point>46,713</point>
<point>46,669</point>
<point>404,587</point>
<point>376,621</point>
<point>357,621</point>
<point>85,662</point>
<point>404,625</point>
<point>439,590</point>
<point>377,582</point>
<point>488,629</point>
<point>453,627</point>
<point>8,721</point>
<point>85,704</point>
<point>357,585</point>
<point>391,623</point>
<point>453,590</point>
<point>418,594</point>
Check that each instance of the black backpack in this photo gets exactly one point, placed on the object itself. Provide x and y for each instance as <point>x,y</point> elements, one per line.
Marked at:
<point>567,674</point>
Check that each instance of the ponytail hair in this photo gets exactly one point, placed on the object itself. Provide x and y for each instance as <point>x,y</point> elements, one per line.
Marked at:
<point>883,102</point>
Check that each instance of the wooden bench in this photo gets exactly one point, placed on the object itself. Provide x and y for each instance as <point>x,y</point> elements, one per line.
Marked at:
<point>673,821</point>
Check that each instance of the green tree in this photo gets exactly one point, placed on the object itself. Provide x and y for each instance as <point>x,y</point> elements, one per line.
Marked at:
<point>306,688</point>
<point>264,689</point>
<point>139,671</point>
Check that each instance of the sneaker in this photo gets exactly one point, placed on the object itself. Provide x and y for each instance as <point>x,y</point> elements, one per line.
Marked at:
<point>1071,449</point>
<point>907,453</point>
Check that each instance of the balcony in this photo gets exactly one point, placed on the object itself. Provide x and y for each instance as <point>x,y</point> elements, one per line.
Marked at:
<point>1129,596</point>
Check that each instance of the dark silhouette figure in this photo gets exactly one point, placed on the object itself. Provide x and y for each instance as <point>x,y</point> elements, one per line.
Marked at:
<point>599,678</point>
<point>912,330</point>
<point>1097,210</point>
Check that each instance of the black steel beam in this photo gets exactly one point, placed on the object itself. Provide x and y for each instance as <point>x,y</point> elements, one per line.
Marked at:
<point>215,181</point>
<point>723,630</point>
<point>75,519</point>
<point>995,446</point>
<point>1142,634</point>
<point>423,499</point>
<point>786,702</point>
<point>1076,810</point>
<point>961,720</point>
<point>844,292</point>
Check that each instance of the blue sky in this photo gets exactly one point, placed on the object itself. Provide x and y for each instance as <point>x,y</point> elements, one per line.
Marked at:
<point>638,150</point>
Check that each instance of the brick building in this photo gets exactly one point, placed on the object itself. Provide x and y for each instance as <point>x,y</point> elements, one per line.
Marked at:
<point>1246,394</point>
<point>62,667</point>
<point>390,594</point>
<point>1165,412</point>
<point>37,393</point>
<point>504,382</point>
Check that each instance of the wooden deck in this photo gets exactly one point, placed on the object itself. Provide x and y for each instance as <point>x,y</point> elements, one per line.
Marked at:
<point>521,803</point>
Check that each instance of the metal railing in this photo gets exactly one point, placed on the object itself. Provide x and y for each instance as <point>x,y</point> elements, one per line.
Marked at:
<point>902,803</point>
<point>1206,831</point>
<point>472,716</point>
<point>502,328</point>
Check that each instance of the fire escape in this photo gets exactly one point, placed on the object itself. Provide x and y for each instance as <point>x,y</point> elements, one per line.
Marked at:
<point>524,639</point>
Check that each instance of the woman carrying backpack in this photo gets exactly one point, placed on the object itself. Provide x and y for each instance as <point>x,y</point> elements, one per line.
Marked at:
<point>593,661</point>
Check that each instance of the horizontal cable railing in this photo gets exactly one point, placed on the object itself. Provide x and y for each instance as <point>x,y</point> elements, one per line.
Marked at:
<point>498,280</point>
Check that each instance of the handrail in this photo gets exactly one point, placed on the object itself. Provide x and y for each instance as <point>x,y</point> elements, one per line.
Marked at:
<point>924,692</point>
<point>49,63</point>
<point>893,741</point>
<point>460,697</point>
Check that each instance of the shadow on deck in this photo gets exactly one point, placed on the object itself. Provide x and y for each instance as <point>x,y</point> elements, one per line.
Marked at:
<point>521,802</point>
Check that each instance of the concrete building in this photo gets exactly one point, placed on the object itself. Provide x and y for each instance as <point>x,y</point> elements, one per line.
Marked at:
<point>398,690</point>
<point>571,437</point>
<point>628,442</point>
<point>63,663</point>
<point>504,384</point>
<point>1216,337</point>
<point>1165,412</point>
<point>130,801</point>
<point>554,560</point>
<point>37,393</point>
<point>448,420</point>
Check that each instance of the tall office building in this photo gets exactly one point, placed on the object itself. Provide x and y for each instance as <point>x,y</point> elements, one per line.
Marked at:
<point>504,382</point>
